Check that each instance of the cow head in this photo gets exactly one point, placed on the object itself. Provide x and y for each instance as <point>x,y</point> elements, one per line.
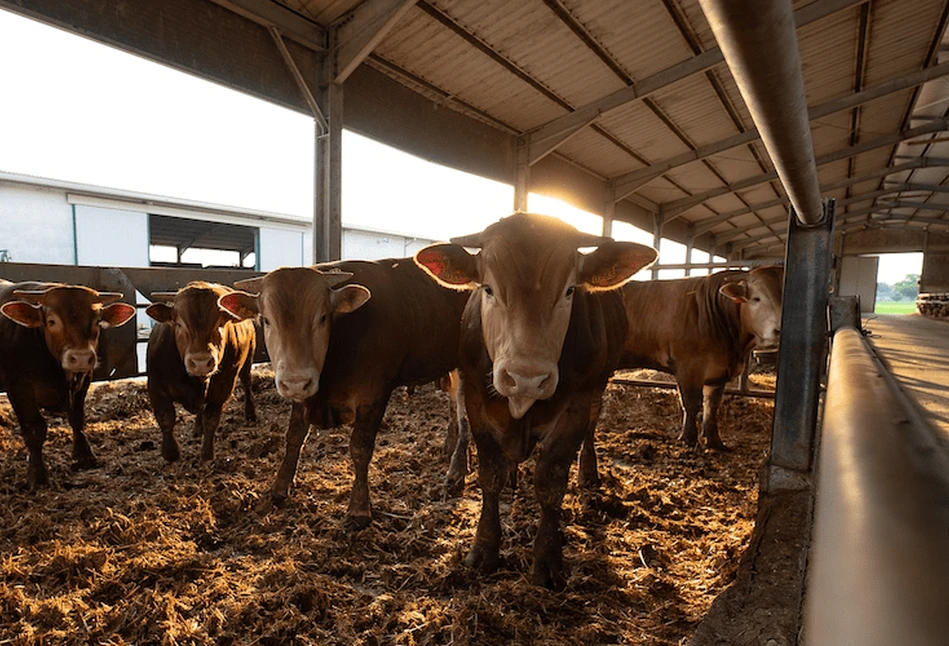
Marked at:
<point>198,321</point>
<point>297,306</point>
<point>759,295</point>
<point>527,273</point>
<point>71,317</point>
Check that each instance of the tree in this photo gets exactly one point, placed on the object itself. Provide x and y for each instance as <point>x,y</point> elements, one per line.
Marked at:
<point>885,292</point>
<point>907,289</point>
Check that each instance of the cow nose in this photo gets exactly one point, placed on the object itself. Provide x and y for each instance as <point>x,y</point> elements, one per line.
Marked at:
<point>296,387</point>
<point>535,386</point>
<point>200,365</point>
<point>79,360</point>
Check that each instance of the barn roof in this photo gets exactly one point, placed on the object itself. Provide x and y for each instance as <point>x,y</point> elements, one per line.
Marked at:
<point>633,98</point>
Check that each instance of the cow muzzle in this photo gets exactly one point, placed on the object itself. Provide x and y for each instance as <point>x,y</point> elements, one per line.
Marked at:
<point>79,360</point>
<point>523,385</point>
<point>297,387</point>
<point>200,364</point>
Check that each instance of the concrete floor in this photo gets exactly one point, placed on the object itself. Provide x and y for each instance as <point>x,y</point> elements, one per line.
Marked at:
<point>916,351</point>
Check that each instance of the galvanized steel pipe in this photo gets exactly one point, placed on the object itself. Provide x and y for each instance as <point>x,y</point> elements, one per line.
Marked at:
<point>759,42</point>
<point>878,572</point>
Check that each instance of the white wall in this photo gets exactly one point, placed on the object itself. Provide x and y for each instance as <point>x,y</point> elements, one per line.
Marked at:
<point>280,248</point>
<point>36,224</point>
<point>111,238</point>
<point>366,245</point>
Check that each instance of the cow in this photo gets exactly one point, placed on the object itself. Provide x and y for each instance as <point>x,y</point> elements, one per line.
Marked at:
<point>196,353</point>
<point>341,337</point>
<point>540,337</point>
<point>700,330</point>
<point>49,336</point>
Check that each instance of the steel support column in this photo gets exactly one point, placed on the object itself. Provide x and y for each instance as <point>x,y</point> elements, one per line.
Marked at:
<point>689,245</point>
<point>609,210</point>
<point>656,241</point>
<point>327,206</point>
<point>803,343</point>
<point>522,176</point>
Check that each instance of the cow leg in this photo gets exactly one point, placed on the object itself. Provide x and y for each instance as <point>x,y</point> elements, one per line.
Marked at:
<point>211,414</point>
<point>588,476</point>
<point>164,409</point>
<point>458,466</point>
<point>713,398</point>
<point>493,473</point>
<point>297,431</point>
<point>198,429</point>
<point>362,443</point>
<point>81,451</point>
<point>250,412</point>
<point>550,485</point>
<point>691,399</point>
<point>33,428</point>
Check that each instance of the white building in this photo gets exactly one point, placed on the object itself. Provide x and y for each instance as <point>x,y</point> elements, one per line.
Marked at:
<point>63,223</point>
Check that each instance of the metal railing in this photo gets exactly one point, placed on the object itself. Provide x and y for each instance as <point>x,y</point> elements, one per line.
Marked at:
<point>879,565</point>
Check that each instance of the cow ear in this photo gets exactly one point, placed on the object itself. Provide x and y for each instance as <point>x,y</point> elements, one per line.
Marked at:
<point>612,263</point>
<point>737,291</point>
<point>349,298</point>
<point>251,285</point>
<point>240,305</point>
<point>161,312</point>
<point>116,314</point>
<point>450,265</point>
<point>25,314</point>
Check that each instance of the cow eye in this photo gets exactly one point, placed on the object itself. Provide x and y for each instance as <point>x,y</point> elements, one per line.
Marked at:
<point>756,299</point>
<point>323,319</point>
<point>50,322</point>
<point>570,291</point>
<point>488,290</point>
<point>265,320</point>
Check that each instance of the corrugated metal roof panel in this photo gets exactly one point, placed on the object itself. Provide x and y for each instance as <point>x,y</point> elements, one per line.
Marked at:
<point>533,38</point>
<point>322,11</point>
<point>639,128</point>
<point>661,190</point>
<point>900,35</point>
<point>598,154</point>
<point>831,134</point>
<point>828,49</point>
<point>695,108</point>
<point>640,35</point>
<point>736,164</point>
<point>426,48</point>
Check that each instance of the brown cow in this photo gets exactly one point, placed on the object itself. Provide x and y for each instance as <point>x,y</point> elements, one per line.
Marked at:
<point>338,354</point>
<point>48,343</point>
<point>540,337</point>
<point>195,355</point>
<point>700,330</point>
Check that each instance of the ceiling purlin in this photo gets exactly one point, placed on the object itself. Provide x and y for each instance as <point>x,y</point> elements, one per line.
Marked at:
<point>859,73</point>
<point>692,41</point>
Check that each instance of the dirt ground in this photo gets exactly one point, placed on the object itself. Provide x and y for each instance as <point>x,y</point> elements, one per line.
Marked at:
<point>142,552</point>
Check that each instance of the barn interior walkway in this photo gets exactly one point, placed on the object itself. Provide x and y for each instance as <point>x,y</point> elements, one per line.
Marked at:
<point>916,351</point>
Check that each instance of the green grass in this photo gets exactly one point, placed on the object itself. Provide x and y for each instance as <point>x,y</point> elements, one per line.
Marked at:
<point>895,307</point>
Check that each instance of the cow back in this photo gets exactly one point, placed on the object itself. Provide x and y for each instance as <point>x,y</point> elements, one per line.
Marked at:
<point>407,332</point>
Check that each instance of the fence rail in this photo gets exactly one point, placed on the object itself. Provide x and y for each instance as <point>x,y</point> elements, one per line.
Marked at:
<point>118,356</point>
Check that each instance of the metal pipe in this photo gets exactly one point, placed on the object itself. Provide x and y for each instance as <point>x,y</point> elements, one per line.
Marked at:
<point>759,43</point>
<point>878,570</point>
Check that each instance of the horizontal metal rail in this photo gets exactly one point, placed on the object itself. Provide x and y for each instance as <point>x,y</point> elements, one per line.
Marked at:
<point>879,565</point>
<point>669,385</point>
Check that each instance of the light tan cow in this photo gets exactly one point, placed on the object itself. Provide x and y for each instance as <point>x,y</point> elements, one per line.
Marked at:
<point>540,336</point>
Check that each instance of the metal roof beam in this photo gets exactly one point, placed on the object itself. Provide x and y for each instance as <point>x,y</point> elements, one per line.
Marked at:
<point>293,25</point>
<point>922,206</point>
<point>741,244</point>
<point>630,182</point>
<point>362,29</point>
<point>932,188</point>
<point>585,115</point>
<point>675,208</point>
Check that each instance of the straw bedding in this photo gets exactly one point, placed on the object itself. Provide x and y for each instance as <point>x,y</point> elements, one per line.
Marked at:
<point>140,552</point>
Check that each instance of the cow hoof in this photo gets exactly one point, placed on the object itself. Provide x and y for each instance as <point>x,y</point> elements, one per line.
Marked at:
<point>250,419</point>
<point>454,485</point>
<point>543,577</point>
<point>483,560</point>
<point>278,497</point>
<point>689,441</point>
<point>356,522</point>
<point>85,463</point>
<point>587,481</point>
<point>36,478</point>
<point>170,451</point>
<point>718,445</point>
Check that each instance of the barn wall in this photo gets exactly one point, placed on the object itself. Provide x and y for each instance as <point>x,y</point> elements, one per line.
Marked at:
<point>36,225</point>
<point>111,238</point>
<point>935,274</point>
<point>280,248</point>
<point>858,277</point>
<point>371,245</point>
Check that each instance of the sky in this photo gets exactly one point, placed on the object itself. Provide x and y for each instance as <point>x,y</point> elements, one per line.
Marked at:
<point>79,111</point>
